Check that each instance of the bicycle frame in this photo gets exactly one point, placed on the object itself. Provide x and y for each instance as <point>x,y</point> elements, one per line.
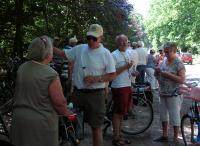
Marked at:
<point>194,119</point>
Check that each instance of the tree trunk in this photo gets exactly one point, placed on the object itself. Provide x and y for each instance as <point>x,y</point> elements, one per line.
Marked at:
<point>18,42</point>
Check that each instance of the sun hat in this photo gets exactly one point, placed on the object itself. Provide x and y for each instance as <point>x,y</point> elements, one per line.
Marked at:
<point>73,40</point>
<point>95,30</point>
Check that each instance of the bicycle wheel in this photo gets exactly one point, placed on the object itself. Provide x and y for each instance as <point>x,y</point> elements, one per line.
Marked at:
<point>139,119</point>
<point>188,130</point>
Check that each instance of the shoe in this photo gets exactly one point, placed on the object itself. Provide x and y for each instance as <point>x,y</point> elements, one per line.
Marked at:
<point>125,140</point>
<point>119,143</point>
<point>161,139</point>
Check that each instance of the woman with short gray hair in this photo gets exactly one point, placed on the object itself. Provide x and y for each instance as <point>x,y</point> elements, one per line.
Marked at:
<point>38,98</point>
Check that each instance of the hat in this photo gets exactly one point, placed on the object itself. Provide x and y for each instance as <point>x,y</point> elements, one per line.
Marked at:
<point>73,40</point>
<point>56,38</point>
<point>95,30</point>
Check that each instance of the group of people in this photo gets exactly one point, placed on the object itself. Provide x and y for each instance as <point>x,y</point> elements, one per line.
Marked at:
<point>39,96</point>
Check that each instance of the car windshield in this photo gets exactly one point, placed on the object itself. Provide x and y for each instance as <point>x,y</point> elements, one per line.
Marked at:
<point>187,55</point>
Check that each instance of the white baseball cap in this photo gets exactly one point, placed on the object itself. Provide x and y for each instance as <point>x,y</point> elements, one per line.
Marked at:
<point>95,30</point>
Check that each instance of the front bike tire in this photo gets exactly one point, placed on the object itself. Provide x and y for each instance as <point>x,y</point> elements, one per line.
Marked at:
<point>139,119</point>
<point>188,129</point>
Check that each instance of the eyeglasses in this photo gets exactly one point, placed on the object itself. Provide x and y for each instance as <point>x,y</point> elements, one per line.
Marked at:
<point>91,38</point>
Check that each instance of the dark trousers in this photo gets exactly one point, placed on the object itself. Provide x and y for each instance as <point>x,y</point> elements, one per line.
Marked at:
<point>140,77</point>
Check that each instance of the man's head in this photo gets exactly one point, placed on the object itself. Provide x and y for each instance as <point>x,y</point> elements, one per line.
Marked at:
<point>94,35</point>
<point>134,45</point>
<point>140,44</point>
<point>73,41</point>
<point>122,42</point>
<point>152,52</point>
<point>56,41</point>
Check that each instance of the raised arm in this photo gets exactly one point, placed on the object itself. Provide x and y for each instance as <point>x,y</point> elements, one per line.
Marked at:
<point>179,78</point>
<point>59,53</point>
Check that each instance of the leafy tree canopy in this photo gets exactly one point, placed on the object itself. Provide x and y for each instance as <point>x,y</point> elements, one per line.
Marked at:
<point>174,20</point>
<point>23,20</point>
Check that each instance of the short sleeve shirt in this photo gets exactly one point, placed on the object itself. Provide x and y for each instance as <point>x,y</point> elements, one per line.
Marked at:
<point>142,56</point>
<point>168,86</point>
<point>89,61</point>
<point>123,79</point>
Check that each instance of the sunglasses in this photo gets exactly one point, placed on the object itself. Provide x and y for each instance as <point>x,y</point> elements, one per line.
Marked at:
<point>91,38</point>
<point>44,41</point>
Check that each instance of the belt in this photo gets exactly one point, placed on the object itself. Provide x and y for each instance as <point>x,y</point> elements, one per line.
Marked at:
<point>89,90</point>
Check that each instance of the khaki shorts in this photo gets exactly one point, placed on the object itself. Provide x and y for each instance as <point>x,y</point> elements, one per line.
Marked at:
<point>93,105</point>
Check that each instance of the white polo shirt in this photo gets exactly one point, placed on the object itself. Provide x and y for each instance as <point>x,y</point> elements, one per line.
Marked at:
<point>89,61</point>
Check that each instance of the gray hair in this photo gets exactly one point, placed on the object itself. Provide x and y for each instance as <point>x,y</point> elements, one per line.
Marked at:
<point>119,37</point>
<point>40,48</point>
<point>140,44</point>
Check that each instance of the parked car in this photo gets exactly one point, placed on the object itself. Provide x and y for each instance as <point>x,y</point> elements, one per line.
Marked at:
<point>186,57</point>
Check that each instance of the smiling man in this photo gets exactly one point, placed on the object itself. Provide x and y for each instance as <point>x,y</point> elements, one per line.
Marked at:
<point>93,67</point>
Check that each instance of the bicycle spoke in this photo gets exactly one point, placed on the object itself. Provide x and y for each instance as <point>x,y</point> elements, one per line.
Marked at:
<point>189,130</point>
<point>138,119</point>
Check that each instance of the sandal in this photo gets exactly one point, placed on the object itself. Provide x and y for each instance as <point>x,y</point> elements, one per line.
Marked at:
<point>161,139</point>
<point>119,143</point>
<point>126,141</point>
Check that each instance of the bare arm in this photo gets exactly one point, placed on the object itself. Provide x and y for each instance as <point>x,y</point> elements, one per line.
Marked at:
<point>59,53</point>
<point>179,78</point>
<point>123,68</point>
<point>57,98</point>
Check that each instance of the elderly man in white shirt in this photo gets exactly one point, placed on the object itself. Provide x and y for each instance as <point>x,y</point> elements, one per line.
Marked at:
<point>93,67</point>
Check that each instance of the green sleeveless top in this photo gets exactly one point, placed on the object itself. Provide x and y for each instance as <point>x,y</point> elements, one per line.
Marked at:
<point>32,103</point>
<point>32,87</point>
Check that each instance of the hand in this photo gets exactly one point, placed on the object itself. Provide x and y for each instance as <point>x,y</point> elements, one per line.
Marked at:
<point>129,65</point>
<point>135,73</point>
<point>157,70</point>
<point>89,80</point>
<point>68,113</point>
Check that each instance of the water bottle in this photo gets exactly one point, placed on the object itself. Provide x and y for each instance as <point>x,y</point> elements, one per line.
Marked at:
<point>70,106</point>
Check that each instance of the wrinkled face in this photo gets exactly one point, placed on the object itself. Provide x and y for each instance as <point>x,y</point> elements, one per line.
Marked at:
<point>94,42</point>
<point>122,43</point>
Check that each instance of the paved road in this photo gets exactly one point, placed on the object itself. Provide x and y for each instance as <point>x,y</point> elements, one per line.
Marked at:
<point>146,138</point>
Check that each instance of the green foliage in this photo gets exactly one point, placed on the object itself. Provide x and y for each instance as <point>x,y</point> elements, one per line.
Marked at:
<point>23,20</point>
<point>174,20</point>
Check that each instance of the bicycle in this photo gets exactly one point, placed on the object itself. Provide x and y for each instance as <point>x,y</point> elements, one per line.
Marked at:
<point>139,118</point>
<point>67,132</point>
<point>189,123</point>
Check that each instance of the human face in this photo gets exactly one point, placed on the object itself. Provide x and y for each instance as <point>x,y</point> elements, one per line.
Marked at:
<point>93,42</point>
<point>169,53</point>
<point>122,43</point>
